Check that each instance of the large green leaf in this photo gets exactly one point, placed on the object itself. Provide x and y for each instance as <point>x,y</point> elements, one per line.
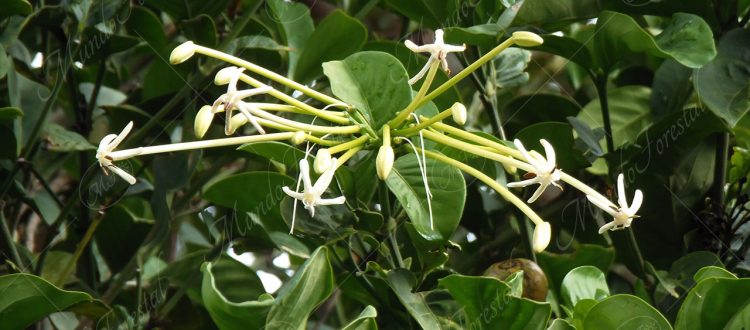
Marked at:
<point>628,111</point>
<point>336,37</point>
<point>276,151</point>
<point>26,299</point>
<point>624,312</point>
<point>448,190</point>
<point>716,303</point>
<point>374,82</point>
<point>671,88</point>
<point>309,287</point>
<point>556,266</point>
<point>584,282</point>
<point>488,305</point>
<point>365,320</point>
<point>402,282</point>
<point>295,22</point>
<point>724,83</point>
<point>228,314</point>
<point>119,236</point>
<point>555,13</point>
<point>63,140</point>
<point>262,200</point>
<point>687,39</point>
<point>432,13</point>
<point>10,113</point>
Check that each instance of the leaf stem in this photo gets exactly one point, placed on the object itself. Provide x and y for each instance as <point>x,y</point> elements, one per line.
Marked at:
<point>79,251</point>
<point>350,144</point>
<point>8,238</point>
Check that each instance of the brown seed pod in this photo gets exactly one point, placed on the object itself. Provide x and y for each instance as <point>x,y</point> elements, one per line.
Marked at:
<point>534,281</point>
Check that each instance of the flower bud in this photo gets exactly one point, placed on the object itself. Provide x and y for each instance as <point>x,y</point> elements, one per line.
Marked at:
<point>298,138</point>
<point>384,162</point>
<point>236,122</point>
<point>527,39</point>
<point>458,111</point>
<point>542,235</point>
<point>225,75</point>
<point>202,121</point>
<point>182,53</point>
<point>322,160</point>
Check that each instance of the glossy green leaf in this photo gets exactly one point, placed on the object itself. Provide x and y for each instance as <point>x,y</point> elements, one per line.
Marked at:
<point>685,268</point>
<point>119,236</point>
<point>27,299</point>
<point>624,312</point>
<point>568,48</point>
<point>374,82</point>
<point>560,324</point>
<point>15,7</point>
<point>556,266</point>
<point>671,88</point>
<point>555,13</point>
<point>296,26</point>
<point>289,244</point>
<point>581,309</point>
<point>712,271</point>
<point>276,151</point>
<point>62,140</point>
<point>336,37</point>
<point>402,282</point>
<point>716,303</point>
<point>488,305</point>
<point>229,314</point>
<point>201,29</point>
<point>628,110</point>
<point>309,287</point>
<point>448,195</point>
<point>485,35</point>
<point>432,13</point>
<point>263,200</point>
<point>144,24</point>
<point>10,113</point>
<point>365,320</point>
<point>584,282</point>
<point>724,83</point>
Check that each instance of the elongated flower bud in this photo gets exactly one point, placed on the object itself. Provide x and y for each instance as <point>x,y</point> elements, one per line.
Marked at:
<point>225,75</point>
<point>458,111</point>
<point>203,121</point>
<point>527,39</point>
<point>542,235</point>
<point>384,162</point>
<point>322,161</point>
<point>182,53</point>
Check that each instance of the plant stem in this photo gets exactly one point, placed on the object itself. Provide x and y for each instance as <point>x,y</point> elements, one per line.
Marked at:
<point>466,71</point>
<point>8,238</point>
<point>350,144</point>
<point>424,123</point>
<point>79,251</point>
<point>505,193</point>
<point>601,89</point>
<point>473,149</point>
<point>720,172</point>
<point>415,102</point>
<point>478,139</point>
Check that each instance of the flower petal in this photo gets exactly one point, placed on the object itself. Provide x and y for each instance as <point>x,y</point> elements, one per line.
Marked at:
<point>304,171</point>
<point>331,201</point>
<point>325,179</point>
<point>621,199</point>
<point>116,142</point>
<point>537,193</point>
<point>607,226</point>
<point>549,153</point>
<point>604,205</point>
<point>121,173</point>
<point>637,201</point>
<point>523,183</point>
<point>292,193</point>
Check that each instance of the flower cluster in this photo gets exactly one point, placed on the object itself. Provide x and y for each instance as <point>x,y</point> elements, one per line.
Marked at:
<point>354,135</point>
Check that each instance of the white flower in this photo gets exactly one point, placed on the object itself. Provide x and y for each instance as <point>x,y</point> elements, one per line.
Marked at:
<point>622,215</point>
<point>438,52</point>
<point>311,196</point>
<point>546,172</point>
<point>107,145</point>
<point>232,99</point>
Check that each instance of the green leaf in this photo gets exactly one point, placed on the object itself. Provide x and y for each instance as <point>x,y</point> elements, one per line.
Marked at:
<point>365,321</point>
<point>402,282</point>
<point>276,151</point>
<point>5,63</point>
<point>712,272</point>
<point>15,7</point>
<point>624,312</point>
<point>309,287</point>
<point>119,236</point>
<point>336,37</point>
<point>374,82</point>
<point>555,13</point>
<point>684,268</point>
<point>63,140</point>
<point>183,9</point>
<point>560,324</point>
<point>26,299</point>
<point>485,35</point>
<point>201,29</point>
<point>448,195</point>
<point>628,110</point>
<point>584,282</point>
<point>289,244</point>
<point>144,24</point>
<point>716,303</point>
<point>263,200</point>
<point>687,39</point>
<point>10,113</point>
<point>724,83</point>
<point>556,266</point>
<point>296,25</point>
<point>568,48</point>
<point>106,97</point>
<point>431,13</point>
<point>254,42</point>
<point>671,88</point>
<point>228,314</point>
<point>488,305</point>
<point>510,67</point>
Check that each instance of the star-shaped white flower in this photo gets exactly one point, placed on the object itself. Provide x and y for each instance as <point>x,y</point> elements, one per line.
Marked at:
<point>232,99</point>
<point>438,52</point>
<point>545,170</point>
<point>622,215</point>
<point>107,145</point>
<point>311,195</point>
